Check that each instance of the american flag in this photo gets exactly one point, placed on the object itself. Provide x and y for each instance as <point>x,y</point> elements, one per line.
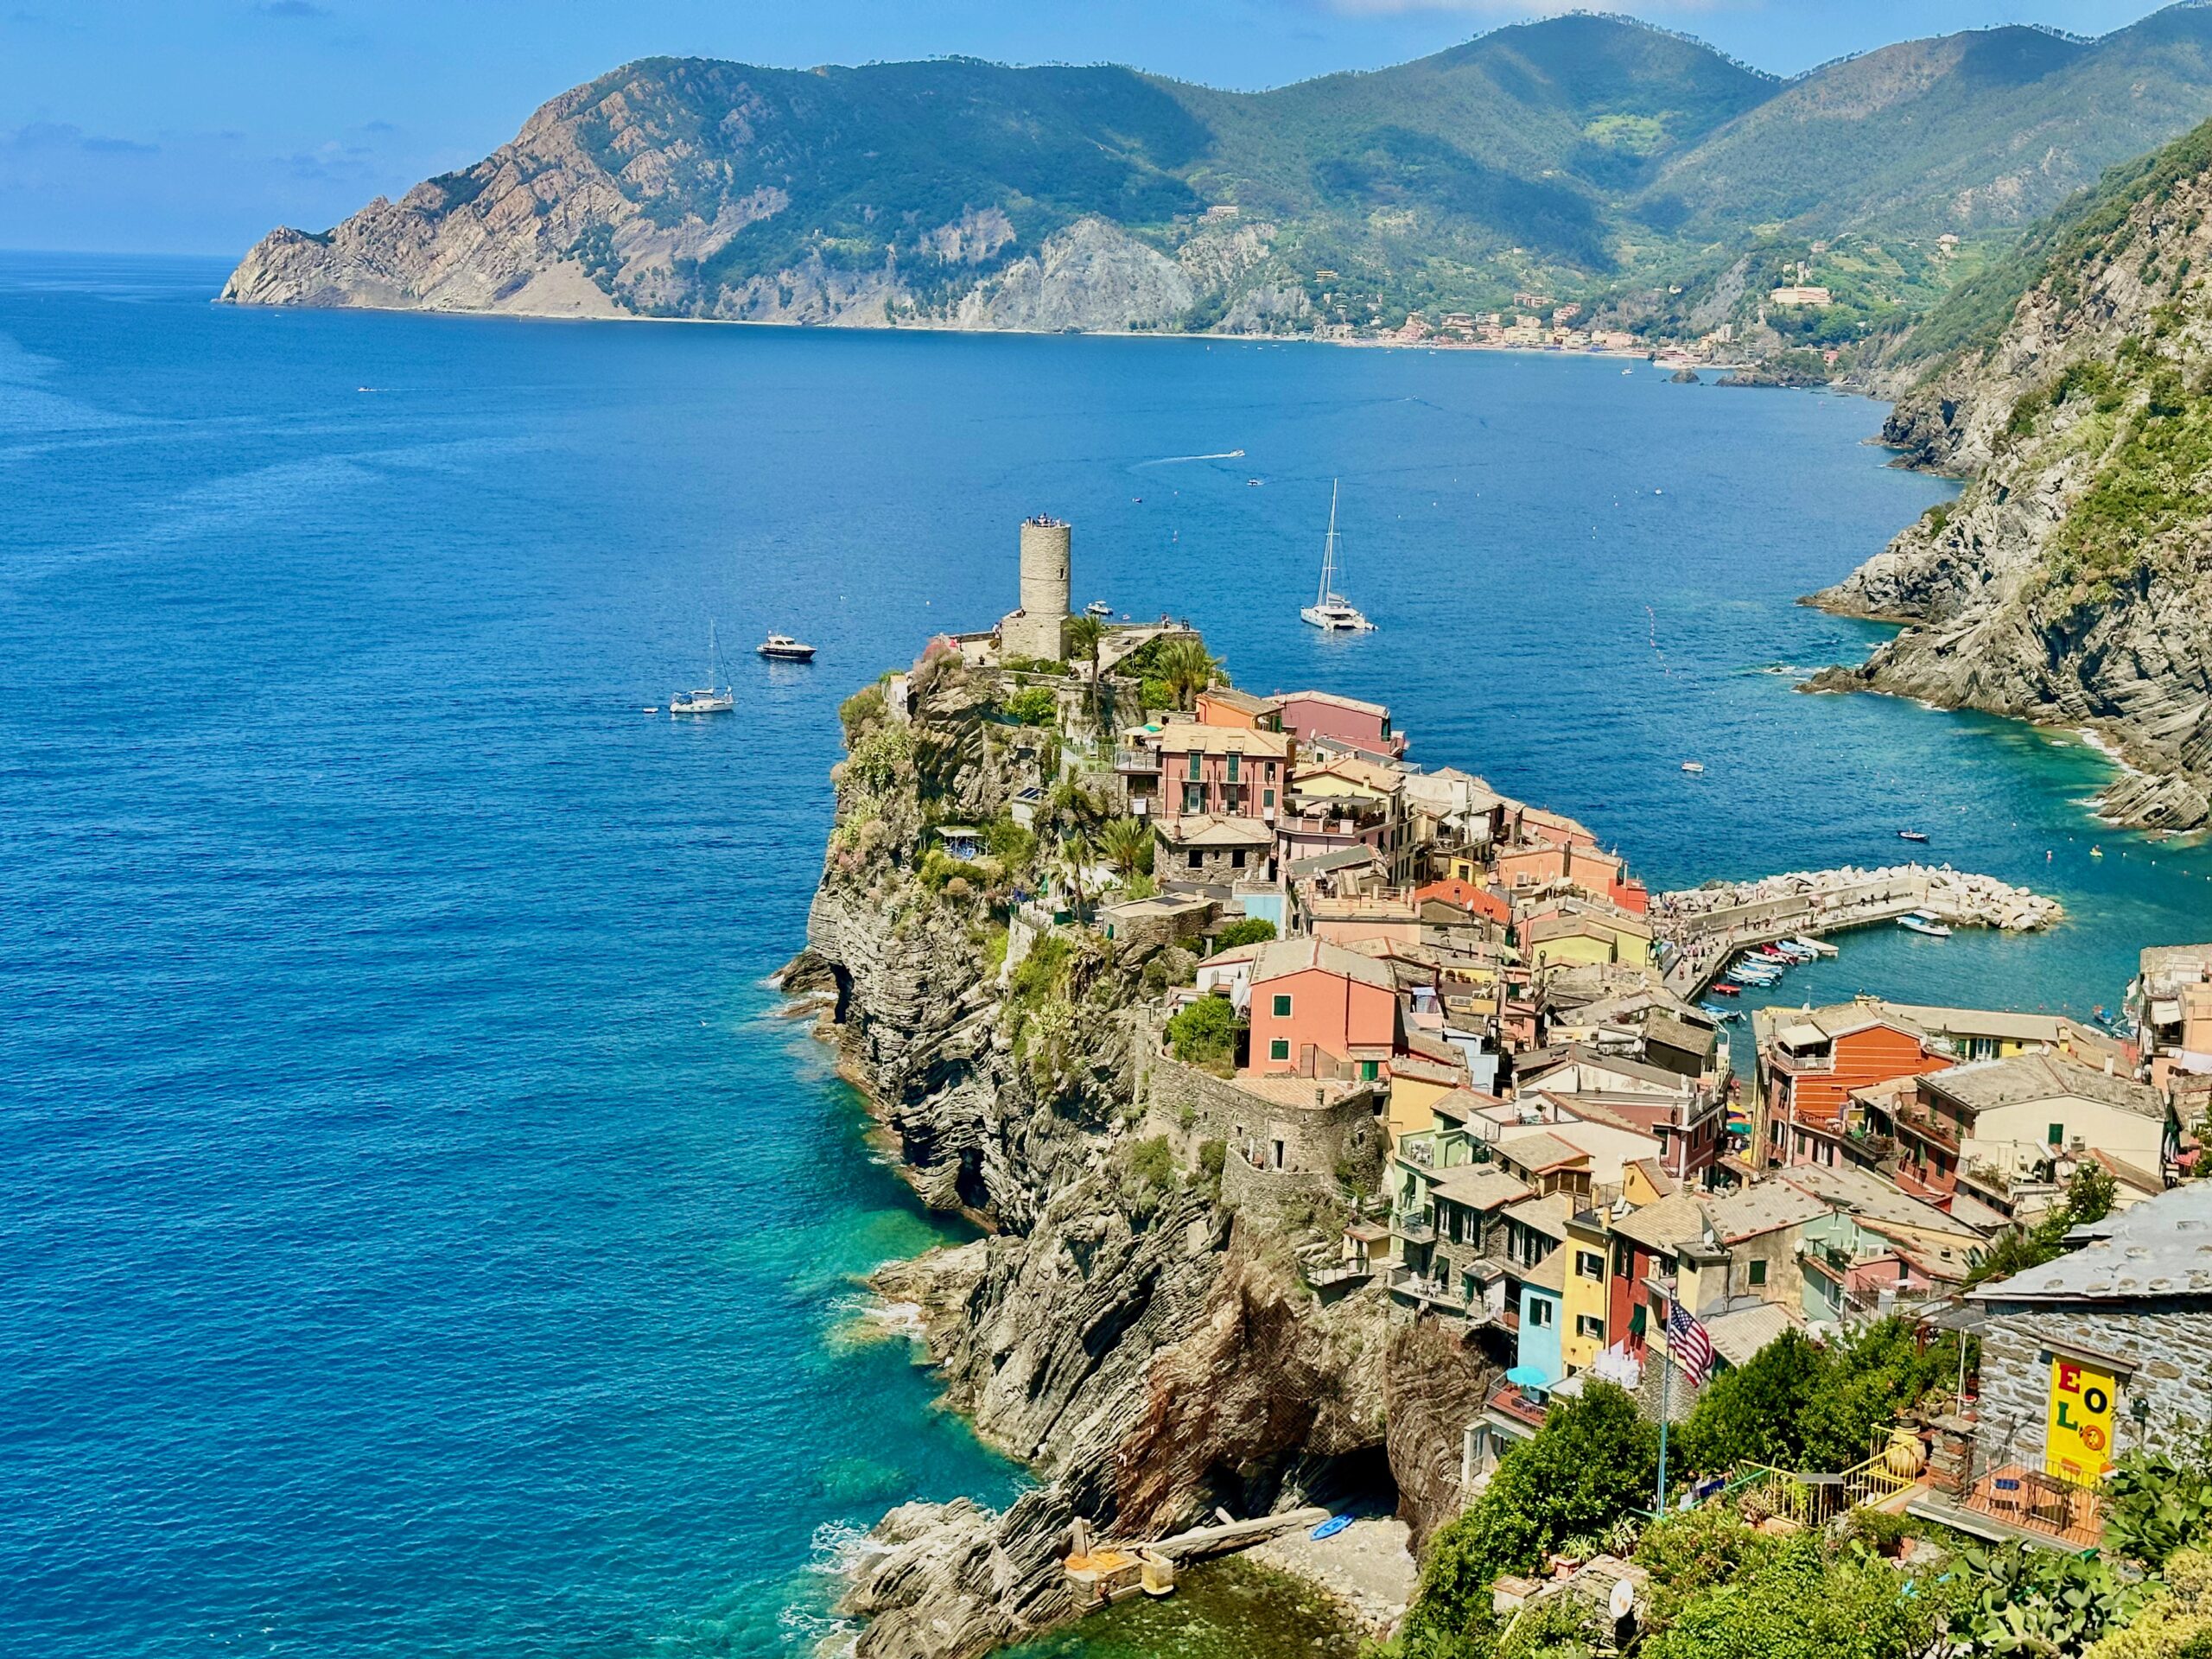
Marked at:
<point>1690,1347</point>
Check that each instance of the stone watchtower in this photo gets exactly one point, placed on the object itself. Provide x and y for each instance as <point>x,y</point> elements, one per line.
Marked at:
<point>1034,630</point>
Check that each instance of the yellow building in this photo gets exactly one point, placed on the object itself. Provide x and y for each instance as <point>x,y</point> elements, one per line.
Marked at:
<point>1416,1087</point>
<point>1582,1311</point>
<point>1588,935</point>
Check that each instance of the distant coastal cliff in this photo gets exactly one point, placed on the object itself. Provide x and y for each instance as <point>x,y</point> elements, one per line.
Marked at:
<point>1577,175</point>
<point>2071,584</point>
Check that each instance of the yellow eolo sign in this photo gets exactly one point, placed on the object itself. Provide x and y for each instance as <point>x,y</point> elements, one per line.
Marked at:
<point>2077,1442</point>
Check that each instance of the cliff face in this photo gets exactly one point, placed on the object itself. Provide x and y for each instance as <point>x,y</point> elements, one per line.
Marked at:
<point>1149,1353</point>
<point>2070,583</point>
<point>684,188</point>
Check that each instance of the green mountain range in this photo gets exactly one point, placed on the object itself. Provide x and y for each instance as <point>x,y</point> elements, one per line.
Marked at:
<point>1584,156</point>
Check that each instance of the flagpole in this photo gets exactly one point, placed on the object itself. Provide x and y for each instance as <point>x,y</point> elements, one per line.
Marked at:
<point>1666,1376</point>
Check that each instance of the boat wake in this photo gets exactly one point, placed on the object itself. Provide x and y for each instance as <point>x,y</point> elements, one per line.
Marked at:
<point>1177,460</point>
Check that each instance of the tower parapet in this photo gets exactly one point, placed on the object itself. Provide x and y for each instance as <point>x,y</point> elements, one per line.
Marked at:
<point>1034,630</point>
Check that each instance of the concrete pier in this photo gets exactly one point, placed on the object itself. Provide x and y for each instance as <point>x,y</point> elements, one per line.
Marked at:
<point>1703,928</point>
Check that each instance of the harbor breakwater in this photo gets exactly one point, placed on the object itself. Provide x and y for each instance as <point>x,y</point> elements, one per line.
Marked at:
<point>1701,928</point>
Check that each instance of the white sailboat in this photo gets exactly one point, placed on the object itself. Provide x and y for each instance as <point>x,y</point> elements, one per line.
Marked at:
<point>1331,611</point>
<point>706,699</point>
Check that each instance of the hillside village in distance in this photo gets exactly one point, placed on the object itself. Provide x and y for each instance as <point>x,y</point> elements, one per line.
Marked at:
<point>1520,1088</point>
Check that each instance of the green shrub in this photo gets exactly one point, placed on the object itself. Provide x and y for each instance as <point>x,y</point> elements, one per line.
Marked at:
<point>2155,1506</point>
<point>1252,929</point>
<point>1802,1602</point>
<point>862,713</point>
<point>1036,666</point>
<point>1594,1459</point>
<point>940,869</point>
<point>1205,1033</point>
<point>1033,705</point>
<point>1012,845</point>
<point>1151,1165</point>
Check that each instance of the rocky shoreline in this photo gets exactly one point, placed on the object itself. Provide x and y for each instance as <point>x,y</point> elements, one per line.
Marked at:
<point>2067,586</point>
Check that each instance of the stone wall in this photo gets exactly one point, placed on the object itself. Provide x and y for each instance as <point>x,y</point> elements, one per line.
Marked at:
<point>2166,1347</point>
<point>1296,1149</point>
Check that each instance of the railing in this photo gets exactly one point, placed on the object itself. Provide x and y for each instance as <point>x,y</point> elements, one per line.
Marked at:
<point>1135,761</point>
<point>2032,1501</point>
<point>1436,1292</point>
<point>1874,1481</point>
<point>1414,1228</point>
<point>1511,1401</point>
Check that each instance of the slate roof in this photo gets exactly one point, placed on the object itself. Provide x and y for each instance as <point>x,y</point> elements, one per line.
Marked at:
<point>1740,1333</point>
<point>1479,1186</point>
<point>1762,1207</point>
<point>1671,1221</point>
<point>1985,1085</point>
<point>1279,958</point>
<point>1540,1151</point>
<point>2151,1251</point>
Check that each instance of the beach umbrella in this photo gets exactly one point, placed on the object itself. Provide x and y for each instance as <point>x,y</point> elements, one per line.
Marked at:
<point>1529,1376</point>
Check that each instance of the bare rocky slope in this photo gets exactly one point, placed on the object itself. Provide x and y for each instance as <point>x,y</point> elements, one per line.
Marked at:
<point>1148,1352</point>
<point>2071,583</point>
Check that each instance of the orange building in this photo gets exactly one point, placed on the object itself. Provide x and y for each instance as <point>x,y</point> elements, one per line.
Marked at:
<point>1465,895</point>
<point>1318,1009</point>
<point>1223,707</point>
<point>1816,1057</point>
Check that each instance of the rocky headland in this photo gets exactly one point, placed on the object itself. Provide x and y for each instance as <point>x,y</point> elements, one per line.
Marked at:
<point>1150,1350</point>
<point>2071,584</point>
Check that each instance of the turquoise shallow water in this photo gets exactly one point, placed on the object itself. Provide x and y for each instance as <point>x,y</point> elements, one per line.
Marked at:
<point>416,1237</point>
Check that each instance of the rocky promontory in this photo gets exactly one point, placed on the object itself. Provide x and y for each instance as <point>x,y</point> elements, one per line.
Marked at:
<point>1150,1350</point>
<point>2071,583</point>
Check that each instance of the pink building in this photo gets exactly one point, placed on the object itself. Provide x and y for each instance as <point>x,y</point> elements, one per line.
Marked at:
<point>1224,772</point>
<point>1311,715</point>
<point>1318,1009</point>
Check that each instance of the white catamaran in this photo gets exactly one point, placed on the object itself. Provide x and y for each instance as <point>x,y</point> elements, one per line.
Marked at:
<point>706,699</point>
<point>1331,612</point>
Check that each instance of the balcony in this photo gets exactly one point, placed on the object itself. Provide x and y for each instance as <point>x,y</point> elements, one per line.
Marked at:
<point>2029,1501</point>
<point>1520,1406</point>
<point>1431,1294</point>
<point>1142,761</point>
<point>1414,1227</point>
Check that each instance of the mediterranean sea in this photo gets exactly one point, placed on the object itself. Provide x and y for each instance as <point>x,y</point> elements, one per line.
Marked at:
<point>418,1235</point>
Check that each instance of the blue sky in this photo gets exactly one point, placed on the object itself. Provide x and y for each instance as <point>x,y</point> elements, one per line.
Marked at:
<point>194,125</point>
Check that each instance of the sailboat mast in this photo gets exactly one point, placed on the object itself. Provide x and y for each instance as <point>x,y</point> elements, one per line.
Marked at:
<point>1329,550</point>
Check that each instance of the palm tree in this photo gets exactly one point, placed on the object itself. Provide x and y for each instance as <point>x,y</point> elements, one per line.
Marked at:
<point>1079,638</point>
<point>1186,668</point>
<point>1127,843</point>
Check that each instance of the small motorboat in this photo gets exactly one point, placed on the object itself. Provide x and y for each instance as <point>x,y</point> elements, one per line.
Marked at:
<point>1922,922</point>
<point>1099,608</point>
<point>1722,987</point>
<point>1251,483</point>
<point>650,708</point>
<point>1687,765</point>
<point>784,649</point>
<point>1912,834</point>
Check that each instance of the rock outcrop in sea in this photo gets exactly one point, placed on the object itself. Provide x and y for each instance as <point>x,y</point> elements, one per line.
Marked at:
<point>1151,1353</point>
<point>2071,583</point>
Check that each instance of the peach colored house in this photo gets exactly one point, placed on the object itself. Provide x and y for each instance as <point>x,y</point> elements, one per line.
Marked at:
<point>1226,772</point>
<point>1318,1009</point>
<point>1224,707</point>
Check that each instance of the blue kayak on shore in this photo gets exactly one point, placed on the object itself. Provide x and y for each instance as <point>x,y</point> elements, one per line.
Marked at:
<point>1332,1526</point>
